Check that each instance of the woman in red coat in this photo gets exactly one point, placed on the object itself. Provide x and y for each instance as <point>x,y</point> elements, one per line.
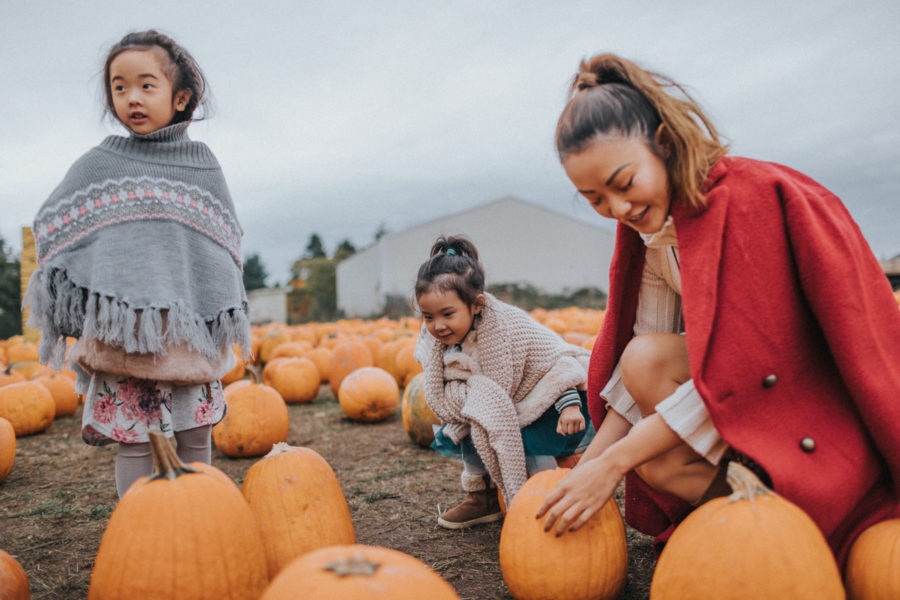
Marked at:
<point>747,320</point>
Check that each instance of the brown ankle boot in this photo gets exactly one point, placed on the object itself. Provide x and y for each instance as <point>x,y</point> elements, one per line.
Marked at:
<point>478,507</point>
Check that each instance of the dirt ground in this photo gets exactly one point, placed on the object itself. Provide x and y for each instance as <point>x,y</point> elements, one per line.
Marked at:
<point>58,498</point>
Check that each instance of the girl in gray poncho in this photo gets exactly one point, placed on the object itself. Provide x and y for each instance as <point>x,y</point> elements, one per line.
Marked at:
<point>139,259</point>
<point>505,386</point>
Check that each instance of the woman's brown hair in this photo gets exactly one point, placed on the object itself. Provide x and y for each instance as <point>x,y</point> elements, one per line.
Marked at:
<point>613,96</point>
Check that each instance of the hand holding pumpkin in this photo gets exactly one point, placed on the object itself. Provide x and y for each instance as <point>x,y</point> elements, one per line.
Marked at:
<point>580,495</point>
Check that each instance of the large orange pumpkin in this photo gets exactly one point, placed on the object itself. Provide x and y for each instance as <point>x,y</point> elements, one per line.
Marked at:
<point>387,359</point>
<point>180,534</point>
<point>13,579</point>
<point>7,449</point>
<point>751,544</point>
<point>62,388</point>
<point>358,572</point>
<point>873,565</point>
<point>298,504</point>
<point>369,394</point>
<point>257,418</point>
<point>590,563</point>
<point>28,405</point>
<point>418,418</point>
<point>346,358</point>
<point>296,379</point>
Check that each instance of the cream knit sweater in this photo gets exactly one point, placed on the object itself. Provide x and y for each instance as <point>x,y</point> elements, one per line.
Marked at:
<point>506,374</point>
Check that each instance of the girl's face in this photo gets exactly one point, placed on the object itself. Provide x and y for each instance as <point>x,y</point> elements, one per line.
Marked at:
<point>446,316</point>
<point>623,179</point>
<point>141,92</point>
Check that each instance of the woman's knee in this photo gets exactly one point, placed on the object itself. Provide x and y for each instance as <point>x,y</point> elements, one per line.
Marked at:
<point>652,362</point>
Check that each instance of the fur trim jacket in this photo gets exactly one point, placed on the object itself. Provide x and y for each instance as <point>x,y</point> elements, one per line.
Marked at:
<point>504,375</point>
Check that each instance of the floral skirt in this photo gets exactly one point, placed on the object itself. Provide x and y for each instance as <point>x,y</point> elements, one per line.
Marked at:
<point>119,408</point>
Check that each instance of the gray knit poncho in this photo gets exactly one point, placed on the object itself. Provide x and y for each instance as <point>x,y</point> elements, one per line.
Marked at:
<point>139,247</point>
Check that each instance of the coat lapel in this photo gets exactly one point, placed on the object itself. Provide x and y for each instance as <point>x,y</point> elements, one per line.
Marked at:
<point>700,236</point>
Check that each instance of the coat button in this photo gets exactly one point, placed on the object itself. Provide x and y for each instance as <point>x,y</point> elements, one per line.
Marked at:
<point>808,444</point>
<point>769,381</point>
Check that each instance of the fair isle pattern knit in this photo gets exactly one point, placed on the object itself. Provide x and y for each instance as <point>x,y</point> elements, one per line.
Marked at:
<point>139,248</point>
<point>507,373</point>
<point>58,226</point>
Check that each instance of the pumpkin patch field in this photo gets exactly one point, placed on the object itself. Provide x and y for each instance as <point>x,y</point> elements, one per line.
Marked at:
<point>59,494</point>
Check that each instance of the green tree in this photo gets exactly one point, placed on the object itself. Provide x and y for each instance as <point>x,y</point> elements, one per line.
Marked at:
<point>254,273</point>
<point>314,247</point>
<point>314,297</point>
<point>345,249</point>
<point>10,292</point>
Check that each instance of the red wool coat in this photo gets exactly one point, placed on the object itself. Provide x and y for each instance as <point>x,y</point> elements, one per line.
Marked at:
<point>793,337</point>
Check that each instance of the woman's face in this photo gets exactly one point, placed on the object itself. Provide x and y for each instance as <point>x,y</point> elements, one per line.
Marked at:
<point>623,179</point>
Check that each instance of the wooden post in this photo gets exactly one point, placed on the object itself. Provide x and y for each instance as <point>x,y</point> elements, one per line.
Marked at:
<point>27,266</point>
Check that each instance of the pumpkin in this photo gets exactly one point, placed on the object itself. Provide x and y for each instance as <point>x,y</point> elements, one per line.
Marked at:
<point>28,405</point>
<point>13,580</point>
<point>321,357</point>
<point>296,379</point>
<point>872,569</point>
<point>387,359</point>
<point>346,358</point>
<point>298,504</point>
<point>240,369</point>
<point>271,340</point>
<point>62,388</point>
<point>406,364</point>
<point>30,369</point>
<point>8,376</point>
<point>373,344</point>
<point>358,572</point>
<point>751,544</point>
<point>257,418</point>
<point>590,563</point>
<point>570,461</point>
<point>369,394</point>
<point>418,417</point>
<point>180,533</point>
<point>22,352</point>
<point>7,449</point>
<point>294,349</point>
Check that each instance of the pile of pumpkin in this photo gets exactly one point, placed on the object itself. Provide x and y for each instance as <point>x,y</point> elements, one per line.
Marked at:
<point>287,530</point>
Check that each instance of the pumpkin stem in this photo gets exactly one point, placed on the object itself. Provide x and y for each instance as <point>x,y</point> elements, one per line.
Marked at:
<point>352,565</point>
<point>744,482</point>
<point>166,464</point>
<point>255,377</point>
<point>278,448</point>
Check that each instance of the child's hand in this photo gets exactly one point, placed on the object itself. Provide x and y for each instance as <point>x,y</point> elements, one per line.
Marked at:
<point>570,420</point>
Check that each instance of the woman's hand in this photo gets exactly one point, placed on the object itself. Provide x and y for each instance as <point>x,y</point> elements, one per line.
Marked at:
<point>580,495</point>
<point>570,420</point>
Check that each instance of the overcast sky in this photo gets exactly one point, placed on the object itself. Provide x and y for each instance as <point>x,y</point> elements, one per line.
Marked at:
<point>337,116</point>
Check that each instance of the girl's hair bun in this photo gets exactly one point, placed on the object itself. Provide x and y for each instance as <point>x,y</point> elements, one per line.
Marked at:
<point>454,246</point>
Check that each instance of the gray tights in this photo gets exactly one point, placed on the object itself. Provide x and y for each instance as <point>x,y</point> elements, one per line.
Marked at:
<point>133,461</point>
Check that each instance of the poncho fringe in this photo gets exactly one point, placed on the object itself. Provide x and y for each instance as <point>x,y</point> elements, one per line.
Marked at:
<point>61,308</point>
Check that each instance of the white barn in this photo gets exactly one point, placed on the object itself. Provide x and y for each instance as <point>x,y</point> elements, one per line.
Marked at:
<point>517,241</point>
<point>268,305</point>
